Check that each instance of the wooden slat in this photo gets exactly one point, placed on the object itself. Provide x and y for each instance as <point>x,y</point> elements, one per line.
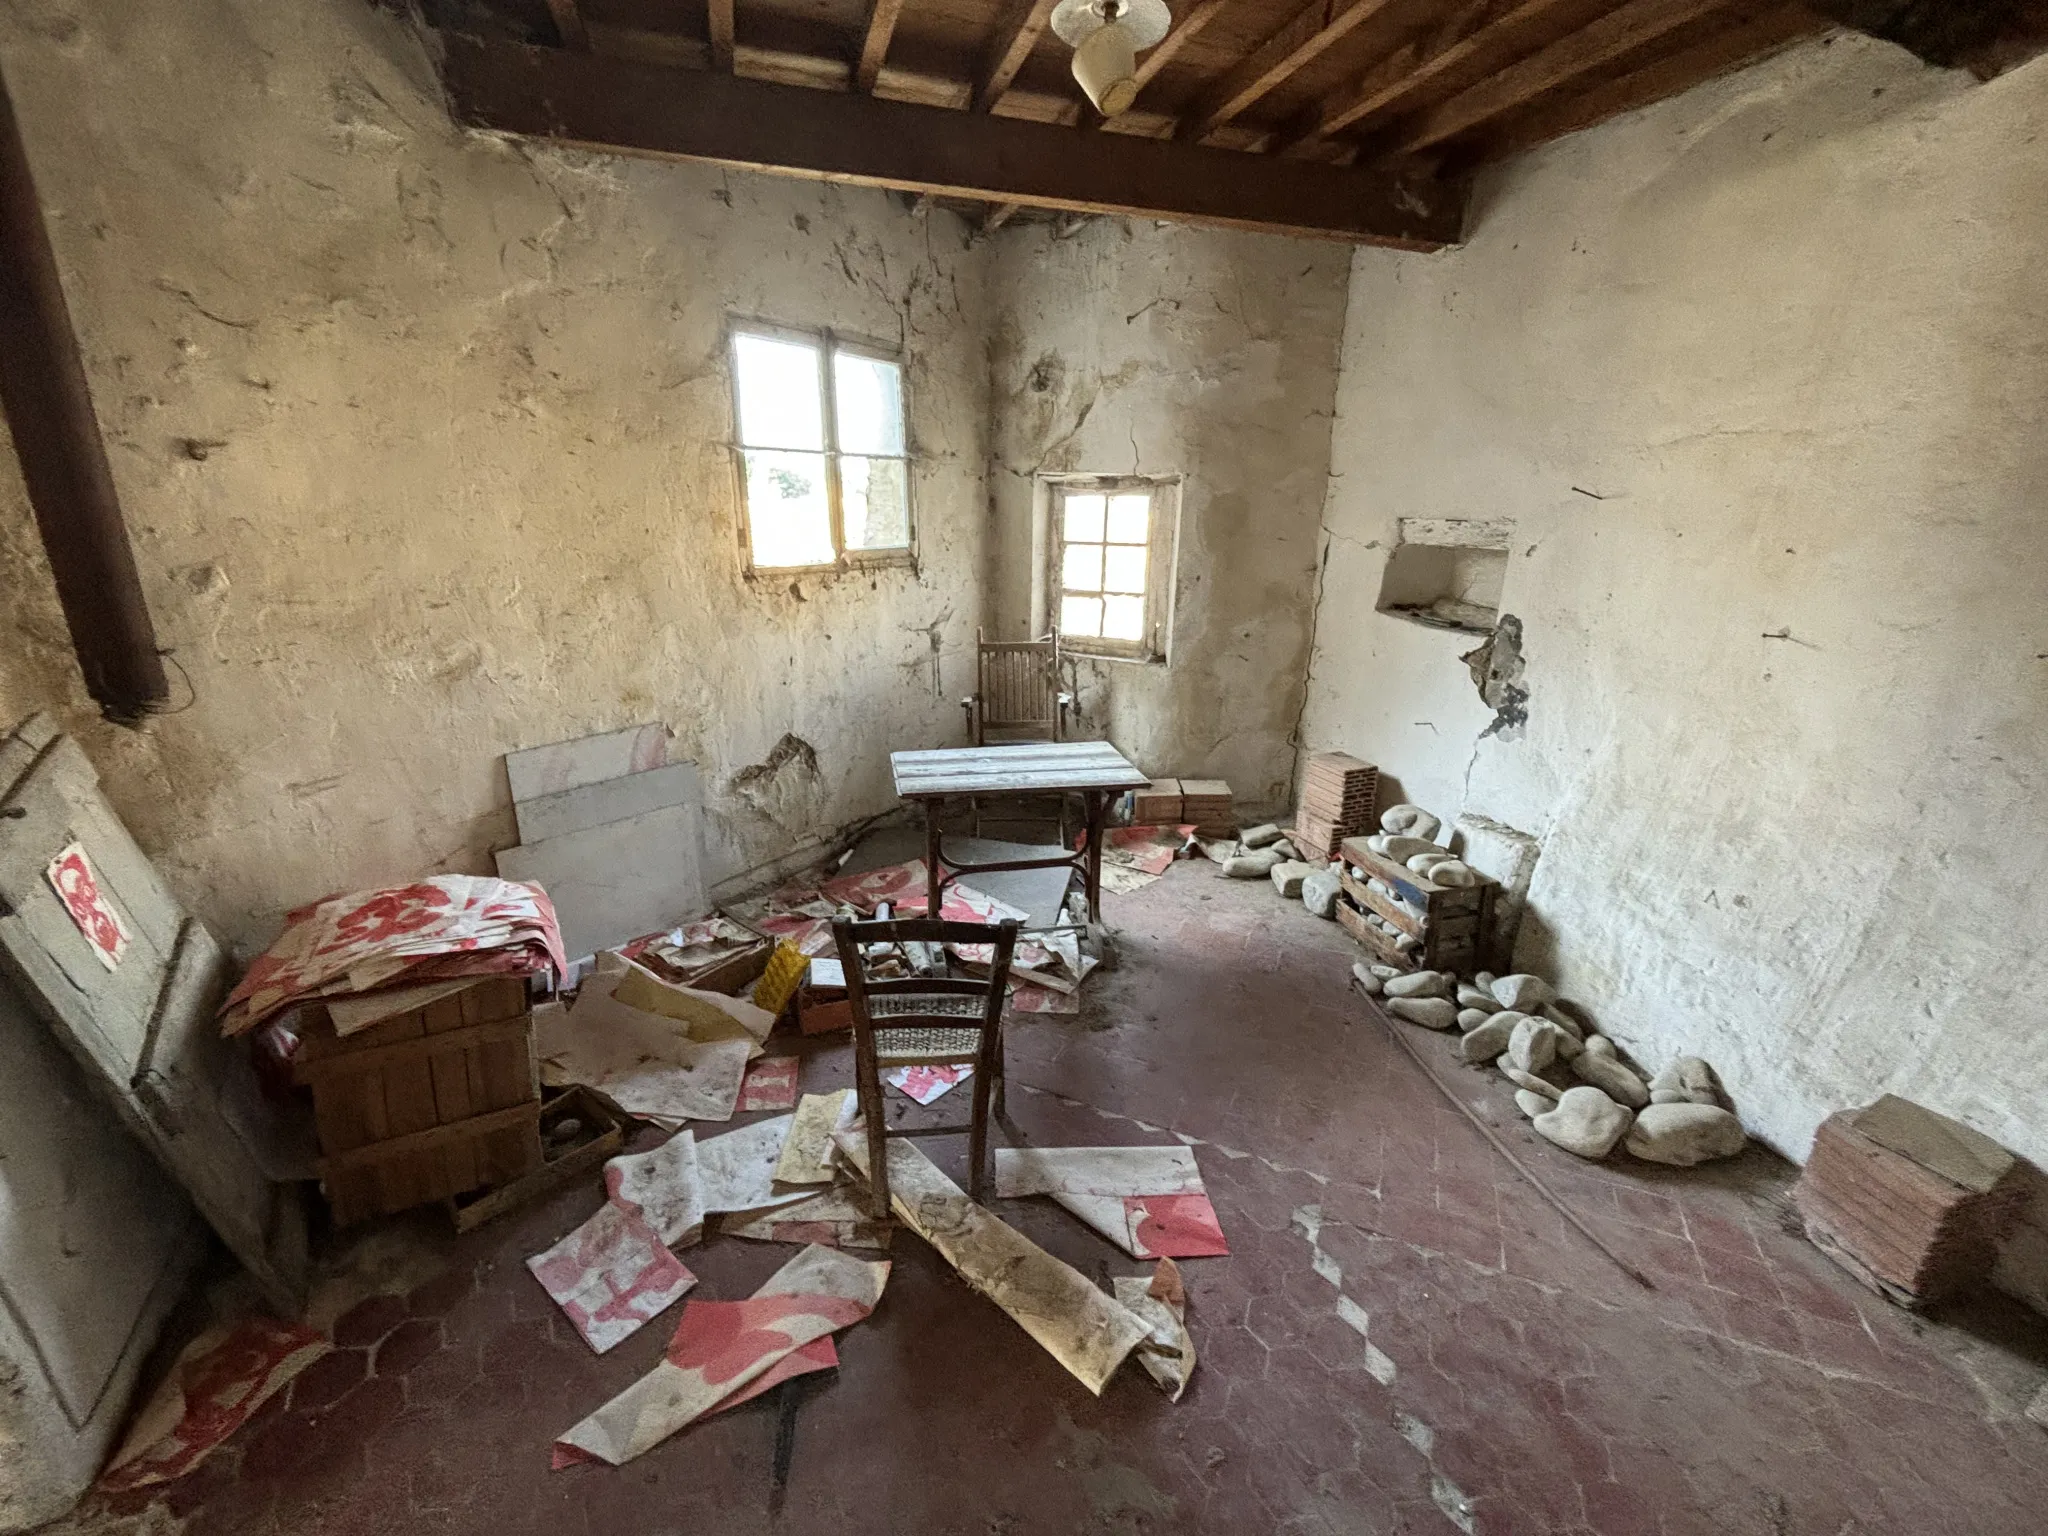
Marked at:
<point>1026,768</point>
<point>1716,55</point>
<point>1169,48</point>
<point>394,1147</point>
<point>718,24</point>
<point>1420,63</point>
<point>1586,49</point>
<point>569,22</point>
<point>406,1053</point>
<point>874,45</point>
<point>1304,37</point>
<point>606,103</point>
<point>1014,39</point>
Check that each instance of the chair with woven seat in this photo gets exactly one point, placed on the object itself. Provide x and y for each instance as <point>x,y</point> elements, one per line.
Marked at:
<point>925,1021</point>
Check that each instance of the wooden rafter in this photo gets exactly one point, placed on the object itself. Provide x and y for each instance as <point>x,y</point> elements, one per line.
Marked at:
<point>1741,44</point>
<point>569,23</point>
<point>718,21</point>
<point>723,119</point>
<point>1302,38</point>
<point>1599,42</point>
<point>1190,28</point>
<point>1022,27</point>
<point>874,45</point>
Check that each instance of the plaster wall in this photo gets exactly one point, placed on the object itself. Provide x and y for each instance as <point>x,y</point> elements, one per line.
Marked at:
<point>1760,374</point>
<point>421,438</point>
<point>1133,348</point>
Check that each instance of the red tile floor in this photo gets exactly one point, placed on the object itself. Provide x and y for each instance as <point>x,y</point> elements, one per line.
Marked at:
<point>1405,1338</point>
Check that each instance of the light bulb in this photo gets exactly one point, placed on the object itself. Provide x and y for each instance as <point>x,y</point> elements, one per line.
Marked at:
<point>1106,65</point>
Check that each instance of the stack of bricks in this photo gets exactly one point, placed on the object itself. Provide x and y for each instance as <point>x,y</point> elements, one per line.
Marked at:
<point>1338,797</point>
<point>1909,1202</point>
<point>1207,803</point>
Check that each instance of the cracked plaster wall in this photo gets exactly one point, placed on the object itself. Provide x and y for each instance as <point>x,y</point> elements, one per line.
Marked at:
<point>421,437</point>
<point>1126,347</point>
<point>1787,736</point>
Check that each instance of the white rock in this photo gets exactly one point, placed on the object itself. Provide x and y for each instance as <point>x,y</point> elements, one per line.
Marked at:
<point>1523,992</point>
<point>1423,863</point>
<point>1532,1044</point>
<point>1411,820</point>
<point>1612,1079</point>
<point>1531,1082</point>
<point>1429,1012</point>
<point>1568,1046</point>
<point>1699,1081</point>
<point>1319,893</point>
<point>1218,850</point>
<point>1483,979</point>
<point>1584,1121</point>
<point>1533,1104</point>
<point>1388,972</point>
<point>1259,837</point>
<point>1599,1045</point>
<point>1470,996</point>
<point>1251,866</point>
<point>1487,1041</point>
<point>1684,1134</point>
<point>1455,873</point>
<point>1470,1019</point>
<point>1668,1096</point>
<point>1368,983</point>
<point>1419,984</point>
<point>1402,849</point>
<point>1288,876</point>
<point>1562,1020</point>
<point>1287,849</point>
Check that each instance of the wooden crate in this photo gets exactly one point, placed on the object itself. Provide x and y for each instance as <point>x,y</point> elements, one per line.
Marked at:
<point>1454,918</point>
<point>425,1105</point>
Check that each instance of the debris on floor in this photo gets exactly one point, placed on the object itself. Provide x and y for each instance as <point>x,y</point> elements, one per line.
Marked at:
<point>737,1169</point>
<point>663,1186</point>
<point>611,1275</point>
<point>1168,1352</point>
<point>770,1083</point>
<point>1909,1202</point>
<point>218,1381</point>
<point>721,1347</point>
<point>806,1152</point>
<point>926,1085</point>
<point>1149,1201</point>
<point>714,954</point>
<point>651,1065</point>
<point>832,1217</point>
<point>1087,1331</point>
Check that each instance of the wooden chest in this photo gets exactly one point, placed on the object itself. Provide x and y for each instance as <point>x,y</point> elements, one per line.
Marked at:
<point>1452,924</point>
<point>425,1105</point>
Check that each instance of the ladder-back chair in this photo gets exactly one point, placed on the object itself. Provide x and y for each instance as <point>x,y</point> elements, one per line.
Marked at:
<point>925,1022</point>
<point>1017,691</point>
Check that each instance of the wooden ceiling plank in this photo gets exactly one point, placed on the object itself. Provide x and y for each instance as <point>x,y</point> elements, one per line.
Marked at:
<point>1302,38</point>
<point>1170,46</point>
<point>1425,59</point>
<point>569,22</point>
<point>718,21</point>
<point>839,136</point>
<point>1023,25</point>
<point>1742,44</point>
<point>874,46</point>
<point>1597,43</point>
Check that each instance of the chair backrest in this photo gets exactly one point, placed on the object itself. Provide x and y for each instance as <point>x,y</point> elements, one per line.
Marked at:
<point>1020,686</point>
<point>852,938</point>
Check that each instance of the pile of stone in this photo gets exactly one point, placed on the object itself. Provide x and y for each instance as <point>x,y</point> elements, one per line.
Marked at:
<point>1576,1087</point>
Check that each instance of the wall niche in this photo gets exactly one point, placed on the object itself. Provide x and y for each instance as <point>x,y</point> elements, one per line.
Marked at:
<point>1447,573</point>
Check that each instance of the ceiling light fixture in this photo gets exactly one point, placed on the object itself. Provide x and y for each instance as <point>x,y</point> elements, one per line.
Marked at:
<point>1106,36</point>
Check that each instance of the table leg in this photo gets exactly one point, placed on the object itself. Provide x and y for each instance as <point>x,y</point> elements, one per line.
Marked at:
<point>1098,806</point>
<point>934,878</point>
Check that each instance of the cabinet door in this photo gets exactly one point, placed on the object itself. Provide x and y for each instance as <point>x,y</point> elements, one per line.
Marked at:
<point>140,1019</point>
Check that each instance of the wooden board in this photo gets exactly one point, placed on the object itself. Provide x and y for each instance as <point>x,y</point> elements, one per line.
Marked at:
<point>1030,768</point>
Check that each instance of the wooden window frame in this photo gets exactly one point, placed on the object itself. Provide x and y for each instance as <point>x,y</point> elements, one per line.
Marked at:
<point>1161,561</point>
<point>828,342</point>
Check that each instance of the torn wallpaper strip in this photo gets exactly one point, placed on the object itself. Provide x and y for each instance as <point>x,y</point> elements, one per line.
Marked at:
<point>927,1085</point>
<point>663,1187</point>
<point>809,1143</point>
<point>1149,1201</point>
<point>611,1275</point>
<point>1168,1355</point>
<point>770,1083</point>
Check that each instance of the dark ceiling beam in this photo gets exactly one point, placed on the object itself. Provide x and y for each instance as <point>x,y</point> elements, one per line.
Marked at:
<point>874,46</point>
<point>569,23</point>
<point>1023,25</point>
<point>1304,37</point>
<point>1986,37</point>
<point>1744,43</point>
<point>722,119</point>
<point>1599,42</point>
<point>48,406</point>
<point>718,24</point>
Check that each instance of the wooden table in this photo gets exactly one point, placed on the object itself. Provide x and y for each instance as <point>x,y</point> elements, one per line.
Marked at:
<point>1092,769</point>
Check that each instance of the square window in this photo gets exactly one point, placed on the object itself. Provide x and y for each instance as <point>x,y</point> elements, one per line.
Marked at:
<point>1110,577</point>
<point>823,450</point>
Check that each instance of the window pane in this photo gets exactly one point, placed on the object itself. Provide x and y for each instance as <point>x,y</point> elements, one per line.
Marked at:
<point>777,393</point>
<point>875,501</point>
<point>1081,616</point>
<point>1081,568</point>
<point>789,521</point>
<point>1123,569</point>
<point>868,396</point>
<point>1083,522</point>
<point>1128,518</point>
<point>1123,618</point>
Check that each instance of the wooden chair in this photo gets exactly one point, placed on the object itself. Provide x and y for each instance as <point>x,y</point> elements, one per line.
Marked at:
<point>925,1022</point>
<point>1017,690</point>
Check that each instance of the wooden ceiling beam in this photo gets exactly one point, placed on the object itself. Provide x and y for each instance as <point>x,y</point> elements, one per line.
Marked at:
<point>1598,42</point>
<point>569,23</point>
<point>718,23</point>
<point>1190,28</point>
<point>1744,43</point>
<point>1023,25</point>
<point>723,119</point>
<point>1303,37</point>
<point>874,47</point>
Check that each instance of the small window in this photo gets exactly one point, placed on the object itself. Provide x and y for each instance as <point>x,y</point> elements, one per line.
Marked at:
<point>1111,579</point>
<point>823,455</point>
